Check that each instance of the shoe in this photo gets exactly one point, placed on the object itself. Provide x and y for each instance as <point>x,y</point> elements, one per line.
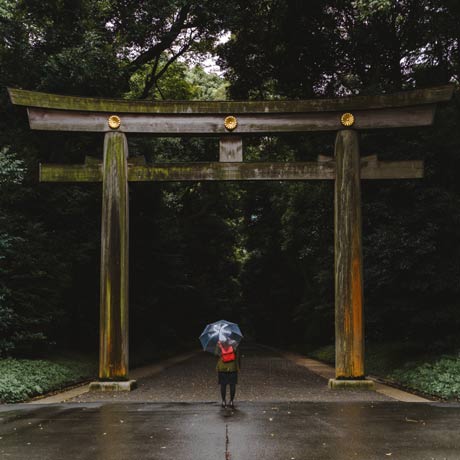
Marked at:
<point>224,404</point>
<point>231,405</point>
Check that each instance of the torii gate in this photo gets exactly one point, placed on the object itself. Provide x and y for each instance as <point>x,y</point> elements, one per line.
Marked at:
<point>230,121</point>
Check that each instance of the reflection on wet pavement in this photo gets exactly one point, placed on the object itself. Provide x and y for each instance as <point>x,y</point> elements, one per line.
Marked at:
<point>264,430</point>
<point>283,412</point>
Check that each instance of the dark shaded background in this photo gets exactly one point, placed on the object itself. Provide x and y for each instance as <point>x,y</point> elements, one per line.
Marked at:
<point>258,254</point>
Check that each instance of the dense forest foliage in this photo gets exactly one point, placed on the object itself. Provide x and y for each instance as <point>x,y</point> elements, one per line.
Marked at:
<point>260,254</point>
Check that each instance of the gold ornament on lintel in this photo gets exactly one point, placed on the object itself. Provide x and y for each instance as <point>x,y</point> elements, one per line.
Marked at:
<point>347,119</point>
<point>114,121</point>
<point>230,123</point>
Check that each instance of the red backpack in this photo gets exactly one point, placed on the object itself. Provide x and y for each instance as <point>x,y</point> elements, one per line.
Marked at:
<point>227,353</point>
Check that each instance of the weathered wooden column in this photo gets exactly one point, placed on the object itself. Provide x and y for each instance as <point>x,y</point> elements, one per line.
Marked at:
<point>113,354</point>
<point>349,329</point>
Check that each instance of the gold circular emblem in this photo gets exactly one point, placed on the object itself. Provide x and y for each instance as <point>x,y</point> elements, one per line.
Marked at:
<point>230,122</point>
<point>347,119</point>
<point>114,121</point>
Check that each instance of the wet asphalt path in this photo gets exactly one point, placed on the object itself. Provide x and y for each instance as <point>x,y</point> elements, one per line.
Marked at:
<point>284,412</point>
<point>264,376</point>
<point>256,431</point>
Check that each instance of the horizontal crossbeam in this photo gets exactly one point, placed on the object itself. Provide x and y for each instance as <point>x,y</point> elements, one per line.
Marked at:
<point>213,125</point>
<point>401,99</point>
<point>176,172</point>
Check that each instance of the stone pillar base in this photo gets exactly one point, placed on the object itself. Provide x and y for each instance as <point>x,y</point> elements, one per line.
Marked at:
<point>125,385</point>
<point>364,384</point>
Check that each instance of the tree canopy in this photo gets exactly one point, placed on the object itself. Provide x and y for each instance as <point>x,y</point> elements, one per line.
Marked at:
<point>261,254</point>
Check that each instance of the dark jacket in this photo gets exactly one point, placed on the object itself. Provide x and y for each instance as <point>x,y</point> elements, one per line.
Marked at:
<point>232,366</point>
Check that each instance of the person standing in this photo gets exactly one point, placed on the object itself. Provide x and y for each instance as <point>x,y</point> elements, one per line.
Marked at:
<point>228,366</point>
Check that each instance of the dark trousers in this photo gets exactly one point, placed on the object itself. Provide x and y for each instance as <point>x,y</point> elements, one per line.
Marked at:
<point>223,391</point>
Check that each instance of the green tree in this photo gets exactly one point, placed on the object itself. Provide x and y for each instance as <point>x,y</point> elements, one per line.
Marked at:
<point>329,48</point>
<point>50,246</point>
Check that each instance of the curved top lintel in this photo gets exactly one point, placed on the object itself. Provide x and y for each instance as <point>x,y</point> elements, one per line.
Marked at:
<point>401,99</point>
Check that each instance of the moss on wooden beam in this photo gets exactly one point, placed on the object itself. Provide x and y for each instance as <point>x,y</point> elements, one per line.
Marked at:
<point>170,172</point>
<point>231,171</point>
<point>61,102</point>
<point>71,173</point>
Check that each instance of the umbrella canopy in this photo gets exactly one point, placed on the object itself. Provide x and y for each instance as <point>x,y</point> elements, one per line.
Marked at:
<point>223,331</point>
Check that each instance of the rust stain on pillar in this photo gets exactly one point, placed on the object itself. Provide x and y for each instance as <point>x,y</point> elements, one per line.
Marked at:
<point>357,307</point>
<point>113,355</point>
<point>348,258</point>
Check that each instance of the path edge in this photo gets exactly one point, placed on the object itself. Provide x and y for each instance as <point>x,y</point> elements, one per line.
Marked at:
<point>328,372</point>
<point>137,373</point>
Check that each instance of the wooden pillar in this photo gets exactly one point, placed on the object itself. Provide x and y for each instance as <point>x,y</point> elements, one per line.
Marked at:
<point>349,330</point>
<point>113,355</point>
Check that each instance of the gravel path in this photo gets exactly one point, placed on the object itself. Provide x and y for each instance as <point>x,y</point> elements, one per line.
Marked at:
<point>264,376</point>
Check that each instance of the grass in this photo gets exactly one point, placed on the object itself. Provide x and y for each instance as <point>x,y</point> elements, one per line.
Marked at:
<point>409,365</point>
<point>406,364</point>
<point>22,379</point>
<point>438,378</point>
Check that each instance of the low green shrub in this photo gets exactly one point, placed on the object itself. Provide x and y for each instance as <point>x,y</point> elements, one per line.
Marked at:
<point>21,379</point>
<point>409,365</point>
<point>439,378</point>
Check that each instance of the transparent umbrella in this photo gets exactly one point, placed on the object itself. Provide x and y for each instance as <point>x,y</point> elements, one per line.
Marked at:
<point>223,331</point>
